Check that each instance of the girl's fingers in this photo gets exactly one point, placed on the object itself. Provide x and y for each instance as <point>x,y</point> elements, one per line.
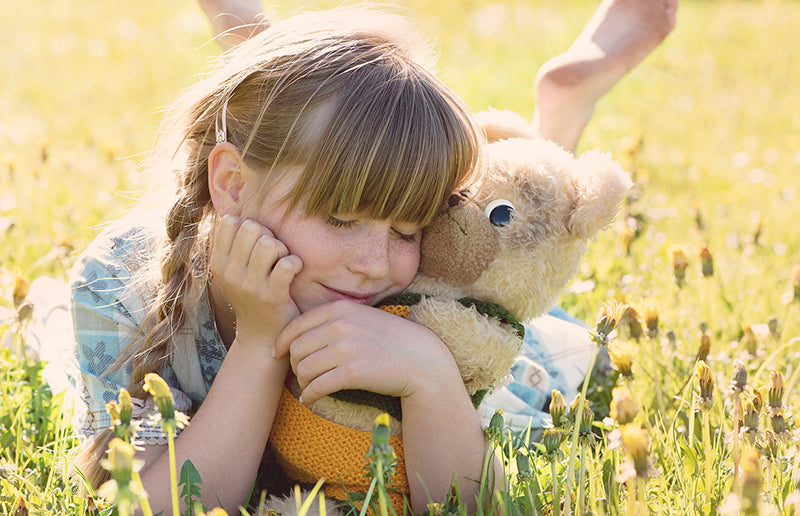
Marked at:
<point>323,385</point>
<point>284,272</point>
<point>313,365</point>
<point>242,247</point>
<point>224,234</point>
<point>266,251</point>
<point>301,324</point>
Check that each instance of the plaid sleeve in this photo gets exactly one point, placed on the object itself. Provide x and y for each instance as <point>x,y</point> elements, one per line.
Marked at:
<point>107,311</point>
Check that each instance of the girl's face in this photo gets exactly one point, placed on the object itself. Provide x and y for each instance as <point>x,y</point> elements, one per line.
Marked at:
<point>347,257</point>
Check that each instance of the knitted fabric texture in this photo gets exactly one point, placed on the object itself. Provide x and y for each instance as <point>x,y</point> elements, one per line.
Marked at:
<point>310,447</point>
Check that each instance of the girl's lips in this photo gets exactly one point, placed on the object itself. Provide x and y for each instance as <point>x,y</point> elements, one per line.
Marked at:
<point>355,297</point>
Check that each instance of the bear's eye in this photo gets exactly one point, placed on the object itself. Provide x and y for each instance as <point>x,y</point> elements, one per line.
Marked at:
<point>500,212</point>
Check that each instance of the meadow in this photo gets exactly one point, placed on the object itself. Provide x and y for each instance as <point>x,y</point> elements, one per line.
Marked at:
<point>708,126</point>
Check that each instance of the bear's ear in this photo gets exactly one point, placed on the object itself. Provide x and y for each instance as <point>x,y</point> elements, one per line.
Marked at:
<point>600,185</point>
<point>502,125</point>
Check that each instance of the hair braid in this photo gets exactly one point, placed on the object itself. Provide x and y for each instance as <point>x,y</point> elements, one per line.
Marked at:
<point>182,264</point>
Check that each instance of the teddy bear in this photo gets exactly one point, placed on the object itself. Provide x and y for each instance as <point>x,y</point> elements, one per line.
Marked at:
<point>497,254</point>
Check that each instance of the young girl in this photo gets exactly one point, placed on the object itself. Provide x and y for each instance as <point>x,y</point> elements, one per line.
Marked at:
<point>308,164</point>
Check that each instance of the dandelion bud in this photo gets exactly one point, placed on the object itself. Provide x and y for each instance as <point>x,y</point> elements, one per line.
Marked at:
<point>756,226</point>
<point>162,396</point>
<point>523,464</point>
<point>776,388</point>
<point>651,318</point>
<point>631,320</point>
<point>380,430</point>
<point>25,311</point>
<point>796,281</point>
<point>623,407</point>
<point>750,418</point>
<point>671,337</point>
<point>679,264</point>
<point>749,340</point>
<point>558,406</point>
<point>607,318</point>
<point>21,288</point>
<point>552,439</point>
<point>707,261</point>
<point>494,432</point>
<point>757,399</point>
<point>705,347</point>
<point>587,415</point>
<point>751,480</point>
<point>738,377</point>
<point>621,354</point>
<point>120,461</point>
<point>778,421</point>
<point>706,381</point>
<point>627,235</point>
<point>636,443</point>
<point>770,446</point>
<point>774,328</point>
<point>20,508</point>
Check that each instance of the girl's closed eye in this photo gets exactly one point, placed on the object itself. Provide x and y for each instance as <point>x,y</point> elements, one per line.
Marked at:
<point>339,223</point>
<point>408,235</point>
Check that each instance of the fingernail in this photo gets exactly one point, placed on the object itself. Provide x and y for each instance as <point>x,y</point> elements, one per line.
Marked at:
<point>300,399</point>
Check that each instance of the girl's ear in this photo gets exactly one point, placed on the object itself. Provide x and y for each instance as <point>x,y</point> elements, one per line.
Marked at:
<point>225,179</point>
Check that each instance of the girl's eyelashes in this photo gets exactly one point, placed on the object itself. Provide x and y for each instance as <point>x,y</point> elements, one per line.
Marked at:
<point>347,224</point>
<point>405,236</point>
<point>339,223</point>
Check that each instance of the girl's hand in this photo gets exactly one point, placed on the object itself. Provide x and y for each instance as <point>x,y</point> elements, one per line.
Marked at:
<point>254,270</point>
<point>344,345</point>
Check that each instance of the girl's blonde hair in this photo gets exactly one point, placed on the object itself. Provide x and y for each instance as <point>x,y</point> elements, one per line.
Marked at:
<point>342,94</point>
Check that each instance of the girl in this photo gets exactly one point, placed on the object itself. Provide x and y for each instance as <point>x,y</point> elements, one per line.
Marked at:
<point>308,164</point>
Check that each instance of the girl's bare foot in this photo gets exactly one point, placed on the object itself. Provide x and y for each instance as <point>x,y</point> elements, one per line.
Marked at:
<point>618,36</point>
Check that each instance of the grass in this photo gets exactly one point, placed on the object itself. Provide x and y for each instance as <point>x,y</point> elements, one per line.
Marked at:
<point>708,124</point>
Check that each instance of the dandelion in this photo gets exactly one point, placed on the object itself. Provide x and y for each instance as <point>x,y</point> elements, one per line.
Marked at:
<point>749,340</point>
<point>757,399</point>
<point>607,318</point>
<point>581,410</point>
<point>558,407</point>
<point>750,421</point>
<point>775,392</point>
<point>735,388</point>
<point>756,226</point>
<point>705,347</point>
<point>381,461</point>
<point>636,468</point>
<point>774,327</point>
<point>706,382</point>
<point>751,481</point>
<point>585,417</point>
<point>679,264</point>
<point>621,354</point>
<point>705,401</point>
<point>651,318</point>
<point>623,407</point>
<point>778,422</point>
<point>738,377</point>
<point>21,289</point>
<point>120,490</point>
<point>706,261</point>
<point>121,413</point>
<point>770,446</point>
<point>552,439</point>
<point>630,320</point>
<point>20,508</point>
<point>170,421</point>
<point>796,282</point>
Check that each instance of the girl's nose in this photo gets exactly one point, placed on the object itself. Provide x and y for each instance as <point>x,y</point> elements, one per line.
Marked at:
<point>370,257</point>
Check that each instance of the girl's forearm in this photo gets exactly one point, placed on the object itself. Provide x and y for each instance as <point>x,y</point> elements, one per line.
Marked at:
<point>226,438</point>
<point>442,435</point>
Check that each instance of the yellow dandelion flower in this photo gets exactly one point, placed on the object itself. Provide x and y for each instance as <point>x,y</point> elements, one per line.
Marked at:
<point>651,317</point>
<point>706,261</point>
<point>623,408</point>
<point>636,443</point>
<point>621,354</point>
<point>679,263</point>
